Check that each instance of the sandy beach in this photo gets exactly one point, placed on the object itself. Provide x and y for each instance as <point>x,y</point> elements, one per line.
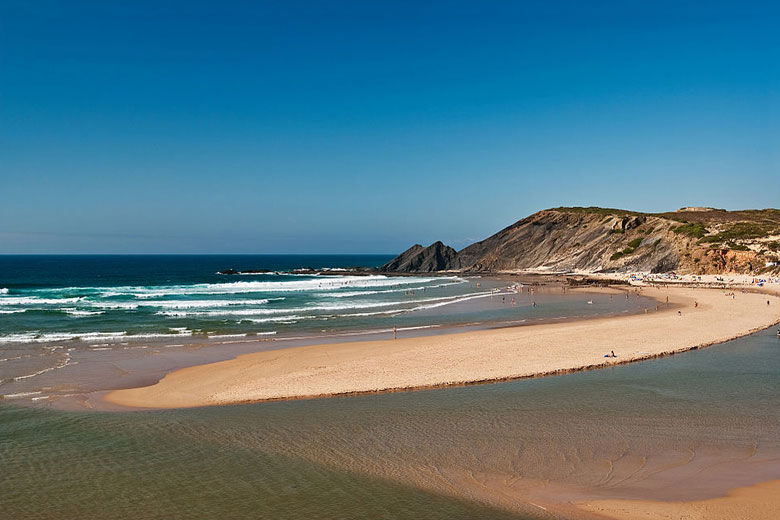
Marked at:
<point>466,358</point>
<point>759,502</point>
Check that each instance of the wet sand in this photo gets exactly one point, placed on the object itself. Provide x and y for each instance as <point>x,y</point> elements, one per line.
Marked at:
<point>467,358</point>
<point>759,502</point>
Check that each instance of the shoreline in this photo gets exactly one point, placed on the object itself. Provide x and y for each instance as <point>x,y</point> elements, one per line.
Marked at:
<point>76,387</point>
<point>510,353</point>
<point>760,501</point>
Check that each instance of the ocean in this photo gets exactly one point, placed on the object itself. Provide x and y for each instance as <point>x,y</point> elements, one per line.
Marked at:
<point>55,298</point>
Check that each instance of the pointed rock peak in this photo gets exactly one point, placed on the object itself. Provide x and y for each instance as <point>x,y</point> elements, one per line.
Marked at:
<point>435,257</point>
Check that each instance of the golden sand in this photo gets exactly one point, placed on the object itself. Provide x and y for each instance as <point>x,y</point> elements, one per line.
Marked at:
<point>464,358</point>
<point>759,502</point>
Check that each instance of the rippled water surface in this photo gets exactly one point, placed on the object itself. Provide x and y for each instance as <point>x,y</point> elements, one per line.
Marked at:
<point>685,426</point>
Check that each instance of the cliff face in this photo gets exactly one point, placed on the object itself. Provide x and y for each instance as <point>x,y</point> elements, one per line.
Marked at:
<point>563,241</point>
<point>691,240</point>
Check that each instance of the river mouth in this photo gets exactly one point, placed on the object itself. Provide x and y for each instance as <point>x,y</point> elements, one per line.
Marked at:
<point>686,427</point>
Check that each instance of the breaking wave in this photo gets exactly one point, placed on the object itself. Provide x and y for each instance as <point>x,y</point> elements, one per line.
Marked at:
<point>33,337</point>
<point>309,283</point>
<point>429,303</point>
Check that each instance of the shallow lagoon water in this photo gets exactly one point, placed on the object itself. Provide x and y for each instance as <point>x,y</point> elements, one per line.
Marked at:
<point>688,426</point>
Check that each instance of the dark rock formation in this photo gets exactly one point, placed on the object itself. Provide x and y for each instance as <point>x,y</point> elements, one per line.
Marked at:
<point>245,271</point>
<point>419,259</point>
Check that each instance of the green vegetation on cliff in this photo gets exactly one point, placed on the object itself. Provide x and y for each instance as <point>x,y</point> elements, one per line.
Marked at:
<point>692,239</point>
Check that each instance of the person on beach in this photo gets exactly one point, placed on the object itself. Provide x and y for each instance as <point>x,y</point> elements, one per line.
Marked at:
<point>395,332</point>
<point>679,313</point>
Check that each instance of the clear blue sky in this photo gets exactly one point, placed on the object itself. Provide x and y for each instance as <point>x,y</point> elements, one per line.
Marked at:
<point>366,126</point>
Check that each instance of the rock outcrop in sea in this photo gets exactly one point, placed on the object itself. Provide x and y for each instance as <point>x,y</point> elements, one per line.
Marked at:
<point>419,259</point>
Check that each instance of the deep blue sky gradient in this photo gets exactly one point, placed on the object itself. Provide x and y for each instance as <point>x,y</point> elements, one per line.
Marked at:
<point>363,127</point>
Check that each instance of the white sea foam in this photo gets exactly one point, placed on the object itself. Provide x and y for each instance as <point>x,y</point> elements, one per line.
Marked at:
<point>280,319</point>
<point>197,304</point>
<point>180,330</point>
<point>114,305</point>
<point>351,294</point>
<point>419,327</point>
<point>290,284</point>
<point>450,302</point>
<point>179,304</point>
<point>62,364</point>
<point>322,297</point>
<point>34,337</point>
<point>34,300</point>
<point>3,290</point>
<point>21,395</point>
<point>77,313</point>
<point>401,306</point>
<point>263,312</point>
<point>441,303</point>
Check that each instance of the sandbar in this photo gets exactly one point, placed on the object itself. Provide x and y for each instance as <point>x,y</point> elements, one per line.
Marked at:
<point>492,355</point>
